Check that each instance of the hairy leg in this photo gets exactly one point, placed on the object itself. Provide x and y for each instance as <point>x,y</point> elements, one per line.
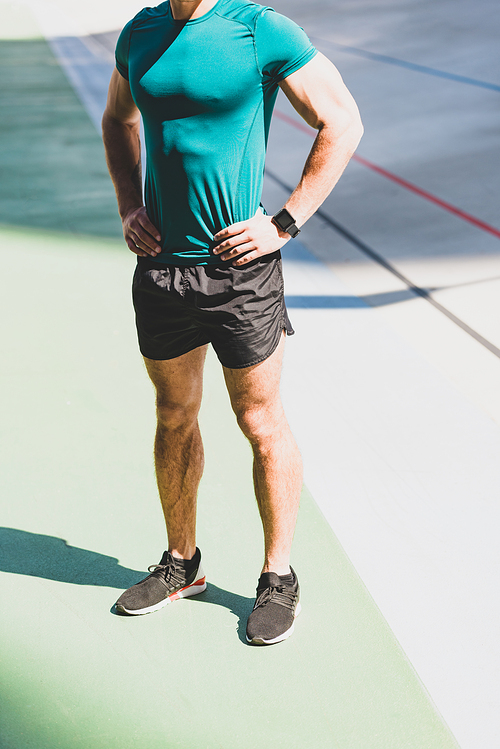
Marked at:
<point>178,447</point>
<point>277,469</point>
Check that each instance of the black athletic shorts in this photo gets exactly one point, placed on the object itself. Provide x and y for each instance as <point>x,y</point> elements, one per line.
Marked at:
<point>240,311</point>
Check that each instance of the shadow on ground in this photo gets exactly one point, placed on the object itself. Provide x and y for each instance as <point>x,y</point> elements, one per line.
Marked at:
<point>51,558</point>
<point>350,302</point>
<point>37,555</point>
<point>240,606</point>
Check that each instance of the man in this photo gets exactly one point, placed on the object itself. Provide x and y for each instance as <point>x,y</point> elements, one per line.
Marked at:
<point>204,74</point>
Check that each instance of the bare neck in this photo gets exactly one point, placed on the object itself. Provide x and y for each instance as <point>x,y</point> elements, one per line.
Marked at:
<point>185,10</point>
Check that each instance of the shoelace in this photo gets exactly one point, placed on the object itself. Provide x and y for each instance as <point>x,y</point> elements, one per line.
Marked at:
<point>168,572</point>
<point>161,567</point>
<point>279,594</point>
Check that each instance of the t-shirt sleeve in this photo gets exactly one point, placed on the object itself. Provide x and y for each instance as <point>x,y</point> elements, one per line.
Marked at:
<point>282,46</point>
<point>122,50</point>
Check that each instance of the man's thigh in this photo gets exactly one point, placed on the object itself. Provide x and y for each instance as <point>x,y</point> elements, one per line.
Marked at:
<point>256,386</point>
<point>179,381</point>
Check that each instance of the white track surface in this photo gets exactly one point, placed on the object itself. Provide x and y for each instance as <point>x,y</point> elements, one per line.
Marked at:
<point>395,407</point>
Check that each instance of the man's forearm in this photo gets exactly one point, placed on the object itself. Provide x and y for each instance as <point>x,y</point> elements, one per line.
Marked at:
<point>325,164</point>
<point>330,154</point>
<point>122,145</point>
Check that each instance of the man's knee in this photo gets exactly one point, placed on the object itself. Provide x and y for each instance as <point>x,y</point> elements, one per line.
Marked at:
<point>258,423</point>
<point>176,416</point>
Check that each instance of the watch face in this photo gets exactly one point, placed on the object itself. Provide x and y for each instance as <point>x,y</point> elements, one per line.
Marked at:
<point>286,222</point>
<point>284,219</point>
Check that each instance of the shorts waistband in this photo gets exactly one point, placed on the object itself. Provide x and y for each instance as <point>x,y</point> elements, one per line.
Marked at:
<point>147,263</point>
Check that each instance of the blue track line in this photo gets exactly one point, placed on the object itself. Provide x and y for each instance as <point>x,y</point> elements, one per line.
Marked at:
<point>408,65</point>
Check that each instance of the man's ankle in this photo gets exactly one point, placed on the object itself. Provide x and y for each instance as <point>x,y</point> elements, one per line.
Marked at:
<point>183,552</point>
<point>277,568</point>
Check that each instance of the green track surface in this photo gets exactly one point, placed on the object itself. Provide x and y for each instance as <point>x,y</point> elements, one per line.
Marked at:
<point>81,518</point>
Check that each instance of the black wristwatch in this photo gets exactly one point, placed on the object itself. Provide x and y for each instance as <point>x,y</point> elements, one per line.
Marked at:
<point>286,222</point>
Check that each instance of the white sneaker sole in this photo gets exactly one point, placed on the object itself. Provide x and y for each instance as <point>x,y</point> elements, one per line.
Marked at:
<point>283,636</point>
<point>198,586</point>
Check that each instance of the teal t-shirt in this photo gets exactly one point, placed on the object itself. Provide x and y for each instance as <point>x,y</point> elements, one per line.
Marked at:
<point>206,90</point>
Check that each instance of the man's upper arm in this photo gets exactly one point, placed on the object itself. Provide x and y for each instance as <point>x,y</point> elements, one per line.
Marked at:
<point>120,105</point>
<point>320,96</point>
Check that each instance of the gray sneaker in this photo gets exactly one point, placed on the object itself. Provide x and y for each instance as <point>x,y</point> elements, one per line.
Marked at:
<point>168,581</point>
<point>276,606</point>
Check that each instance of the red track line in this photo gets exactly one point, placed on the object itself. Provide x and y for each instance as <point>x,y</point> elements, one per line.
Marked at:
<point>401,182</point>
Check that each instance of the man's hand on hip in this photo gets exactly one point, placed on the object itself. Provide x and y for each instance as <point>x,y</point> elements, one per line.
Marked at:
<point>140,234</point>
<point>248,240</point>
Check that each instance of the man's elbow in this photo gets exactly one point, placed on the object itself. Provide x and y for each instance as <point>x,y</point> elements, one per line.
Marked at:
<point>357,128</point>
<point>113,121</point>
<point>353,125</point>
<point>105,120</point>
<point>109,119</point>
<point>344,124</point>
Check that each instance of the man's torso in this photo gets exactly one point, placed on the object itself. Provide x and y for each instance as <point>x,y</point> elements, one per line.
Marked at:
<point>206,89</point>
